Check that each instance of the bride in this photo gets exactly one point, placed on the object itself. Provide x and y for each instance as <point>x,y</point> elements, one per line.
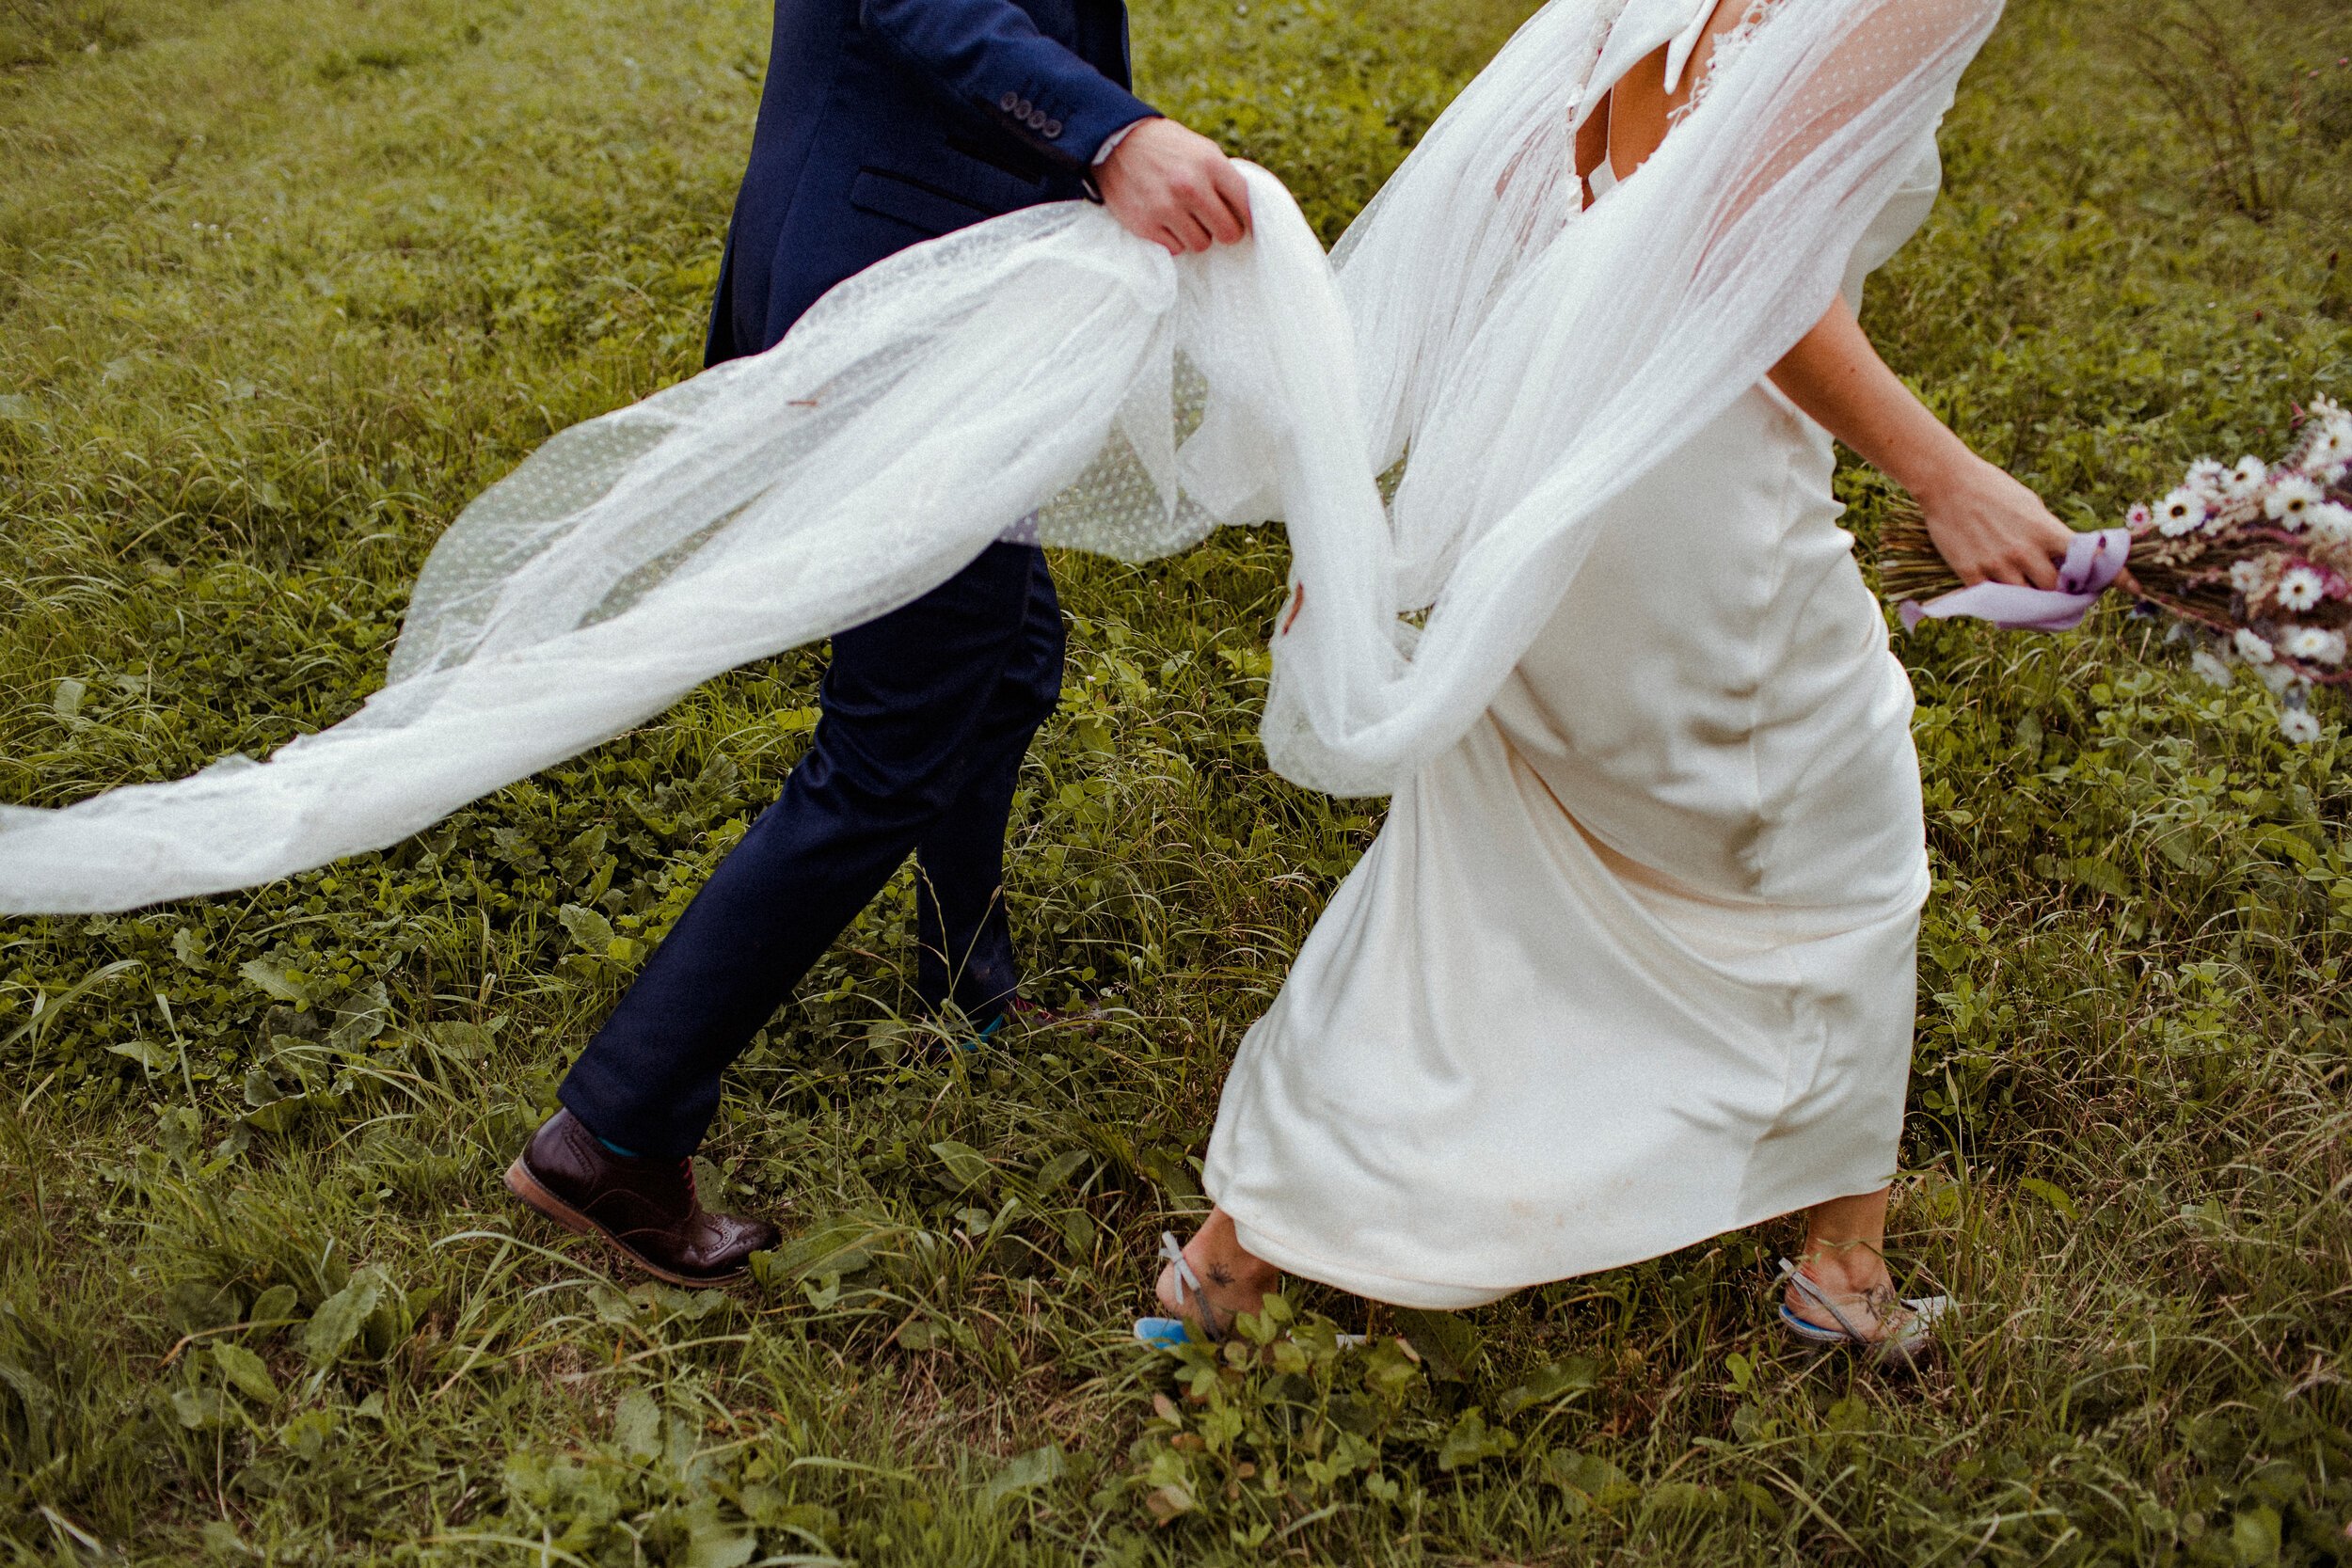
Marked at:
<point>1631,962</point>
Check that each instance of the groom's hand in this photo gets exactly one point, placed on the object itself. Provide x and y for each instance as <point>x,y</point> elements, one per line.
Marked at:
<point>1173,186</point>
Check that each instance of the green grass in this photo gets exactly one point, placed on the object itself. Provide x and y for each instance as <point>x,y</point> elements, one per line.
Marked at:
<point>282,285</point>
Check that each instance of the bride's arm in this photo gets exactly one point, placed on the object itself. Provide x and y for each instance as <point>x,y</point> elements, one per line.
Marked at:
<point>1988,525</point>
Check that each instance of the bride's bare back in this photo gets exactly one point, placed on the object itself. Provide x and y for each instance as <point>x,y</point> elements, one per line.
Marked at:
<point>1636,114</point>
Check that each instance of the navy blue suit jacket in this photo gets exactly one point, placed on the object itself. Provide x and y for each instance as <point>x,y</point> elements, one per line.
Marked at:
<point>885,122</point>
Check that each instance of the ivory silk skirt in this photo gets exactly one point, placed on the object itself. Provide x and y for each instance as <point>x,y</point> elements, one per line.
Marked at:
<point>1633,964</point>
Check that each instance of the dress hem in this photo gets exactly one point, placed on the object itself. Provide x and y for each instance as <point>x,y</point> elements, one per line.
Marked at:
<point>1433,1296</point>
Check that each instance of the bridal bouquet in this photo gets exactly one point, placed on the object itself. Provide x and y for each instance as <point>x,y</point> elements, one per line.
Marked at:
<point>2254,562</point>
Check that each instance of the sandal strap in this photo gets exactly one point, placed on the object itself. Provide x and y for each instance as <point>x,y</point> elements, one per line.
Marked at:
<point>1187,1282</point>
<point>1792,1275</point>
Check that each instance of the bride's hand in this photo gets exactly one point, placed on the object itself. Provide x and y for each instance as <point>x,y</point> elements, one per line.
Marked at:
<point>1989,528</point>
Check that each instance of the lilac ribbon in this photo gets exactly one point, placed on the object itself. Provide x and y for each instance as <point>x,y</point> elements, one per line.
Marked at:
<point>2093,561</point>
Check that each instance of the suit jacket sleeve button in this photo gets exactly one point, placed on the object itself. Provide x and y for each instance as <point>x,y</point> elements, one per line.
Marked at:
<point>1009,102</point>
<point>1023,108</point>
<point>1051,128</point>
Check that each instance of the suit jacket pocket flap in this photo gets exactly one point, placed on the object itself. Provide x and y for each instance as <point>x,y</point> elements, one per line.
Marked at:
<point>917,206</point>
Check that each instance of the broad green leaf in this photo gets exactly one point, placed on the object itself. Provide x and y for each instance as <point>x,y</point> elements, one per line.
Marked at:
<point>842,1247</point>
<point>146,1052</point>
<point>274,1305</point>
<point>1595,1477</point>
<point>278,982</point>
<point>1472,1442</point>
<point>1060,1168</point>
<point>179,1130</point>
<point>340,1318</point>
<point>465,1041</point>
<point>244,1371</point>
<point>1447,1343</point>
<point>306,1435</point>
<point>1036,1468</point>
<point>198,1408</point>
<point>637,1424</point>
<point>1571,1375</point>
<point>2049,1192</point>
<point>590,931</point>
<point>2254,1538</point>
<point>278,1116</point>
<point>362,1016</point>
<point>1171,1502</point>
<point>1683,1497</point>
<point>964,1162</point>
<point>715,1541</point>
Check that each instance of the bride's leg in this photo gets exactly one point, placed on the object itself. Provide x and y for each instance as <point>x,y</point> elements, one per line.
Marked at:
<point>1845,1245</point>
<point>1231,1279</point>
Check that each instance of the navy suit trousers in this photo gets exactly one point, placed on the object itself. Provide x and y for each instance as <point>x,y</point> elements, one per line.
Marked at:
<point>927,714</point>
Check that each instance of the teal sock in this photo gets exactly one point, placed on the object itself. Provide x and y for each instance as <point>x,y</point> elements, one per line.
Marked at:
<point>623,1153</point>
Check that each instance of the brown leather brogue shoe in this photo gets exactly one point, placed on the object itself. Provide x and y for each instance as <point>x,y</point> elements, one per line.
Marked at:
<point>646,1207</point>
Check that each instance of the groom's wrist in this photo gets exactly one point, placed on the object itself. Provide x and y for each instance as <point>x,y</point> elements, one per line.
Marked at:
<point>1091,180</point>
<point>1111,143</point>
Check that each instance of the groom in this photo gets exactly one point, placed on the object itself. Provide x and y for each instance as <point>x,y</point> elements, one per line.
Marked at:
<point>884,123</point>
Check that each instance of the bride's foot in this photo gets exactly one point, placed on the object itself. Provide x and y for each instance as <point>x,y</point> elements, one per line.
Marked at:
<point>1849,1302</point>
<point>1207,1283</point>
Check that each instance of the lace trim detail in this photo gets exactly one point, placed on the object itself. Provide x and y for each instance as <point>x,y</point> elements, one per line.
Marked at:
<point>1727,49</point>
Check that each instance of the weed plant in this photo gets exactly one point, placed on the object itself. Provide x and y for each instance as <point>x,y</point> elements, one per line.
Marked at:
<point>282,284</point>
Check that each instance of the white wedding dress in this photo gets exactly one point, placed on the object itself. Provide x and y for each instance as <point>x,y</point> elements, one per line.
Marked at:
<point>1632,963</point>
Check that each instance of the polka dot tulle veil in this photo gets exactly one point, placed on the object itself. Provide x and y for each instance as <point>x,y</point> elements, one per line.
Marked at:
<point>1532,359</point>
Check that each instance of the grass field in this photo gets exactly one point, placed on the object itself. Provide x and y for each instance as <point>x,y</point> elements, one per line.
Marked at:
<point>284,282</point>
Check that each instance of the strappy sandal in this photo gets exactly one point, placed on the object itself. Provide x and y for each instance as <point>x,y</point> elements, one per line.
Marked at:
<point>1906,1324</point>
<point>1173,1333</point>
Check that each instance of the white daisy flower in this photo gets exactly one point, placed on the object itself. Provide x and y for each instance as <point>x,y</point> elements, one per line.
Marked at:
<point>2251,648</point>
<point>2245,577</point>
<point>2210,479</point>
<point>2298,726</point>
<point>2247,480</point>
<point>2180,513</point>
<point>2320,644</point>
<point>2277,678</point>
<point>2290,501</point>
<point>2330,521</point>
<point>2211,666</point>
<point>2332,451</point>
<point>2300,588</point>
